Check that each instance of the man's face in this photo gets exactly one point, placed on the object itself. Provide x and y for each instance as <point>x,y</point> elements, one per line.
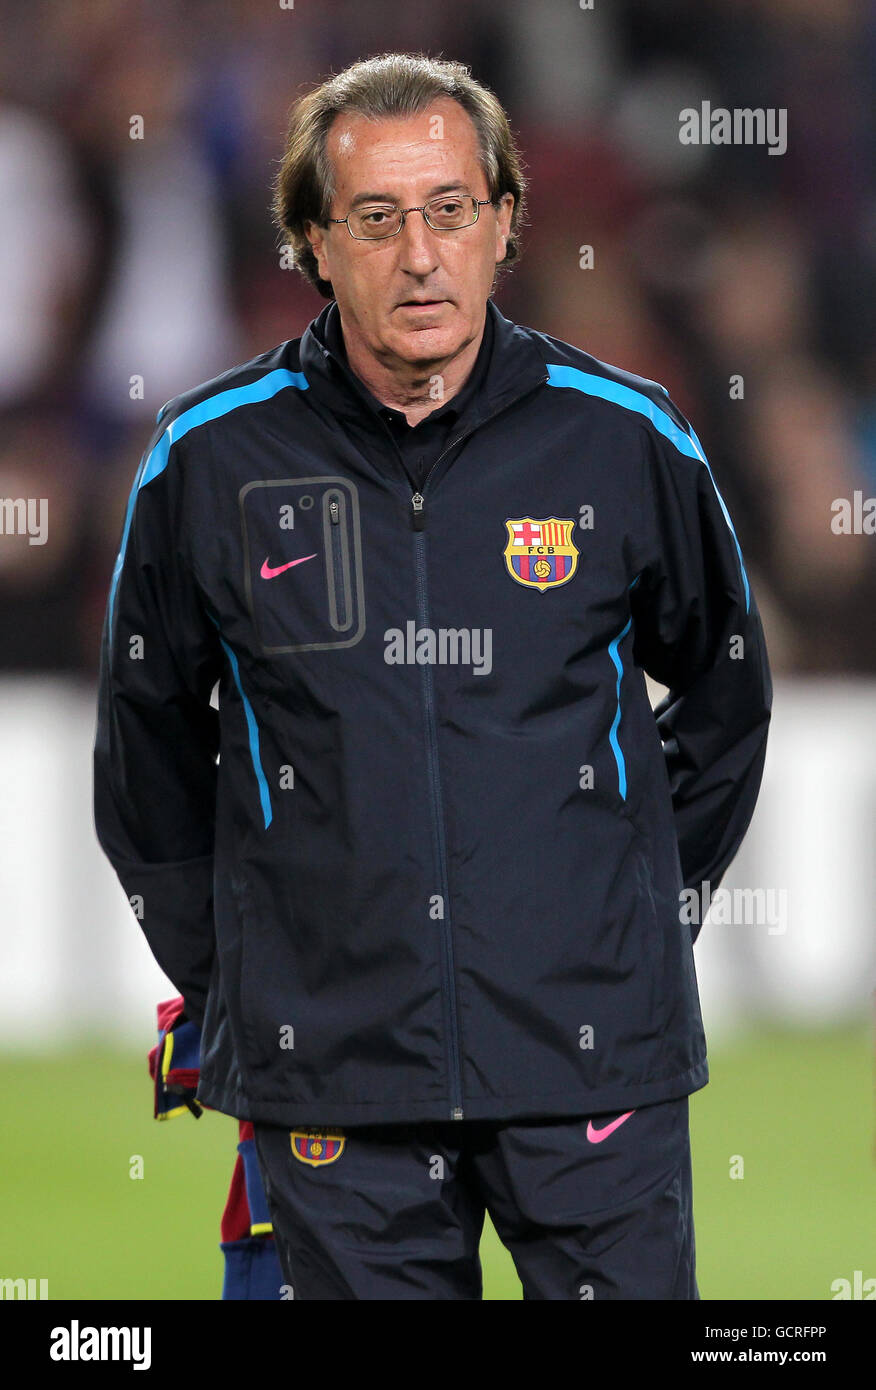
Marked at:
<point>448,273</point>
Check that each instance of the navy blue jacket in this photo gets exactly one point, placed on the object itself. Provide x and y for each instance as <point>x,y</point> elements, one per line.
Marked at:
<point>424,860</point>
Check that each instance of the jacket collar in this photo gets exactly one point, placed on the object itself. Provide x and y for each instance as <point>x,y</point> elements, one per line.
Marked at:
<point>515,368</point>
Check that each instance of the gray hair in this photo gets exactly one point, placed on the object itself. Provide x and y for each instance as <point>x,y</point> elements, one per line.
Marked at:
<point>394,84</point>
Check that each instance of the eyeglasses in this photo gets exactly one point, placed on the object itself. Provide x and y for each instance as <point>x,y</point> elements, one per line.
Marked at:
<point>376,221</point>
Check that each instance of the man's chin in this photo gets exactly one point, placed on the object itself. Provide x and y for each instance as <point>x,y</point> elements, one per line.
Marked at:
<point>422,342</point>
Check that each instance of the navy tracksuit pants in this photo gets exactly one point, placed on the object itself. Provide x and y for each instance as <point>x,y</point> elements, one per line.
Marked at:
<point>598,1207</point>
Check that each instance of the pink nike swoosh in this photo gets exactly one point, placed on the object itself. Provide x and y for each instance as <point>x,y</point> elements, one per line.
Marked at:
<point>268,573</point>
<point>596,1136</point>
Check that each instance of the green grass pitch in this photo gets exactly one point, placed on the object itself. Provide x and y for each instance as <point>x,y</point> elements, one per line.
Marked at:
<point>797,1107</point>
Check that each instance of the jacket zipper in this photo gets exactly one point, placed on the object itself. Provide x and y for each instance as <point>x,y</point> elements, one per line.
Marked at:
<point>419,523</point>
<point>418,501</point>
<point>419,516</point>
<point>438,831</point>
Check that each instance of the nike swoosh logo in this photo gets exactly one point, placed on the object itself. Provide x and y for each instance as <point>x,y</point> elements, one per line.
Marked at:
<point>268,573</point>
<point>596,1136</point>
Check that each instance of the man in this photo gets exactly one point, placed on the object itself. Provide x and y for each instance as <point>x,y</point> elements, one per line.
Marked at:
<point>426,907</point>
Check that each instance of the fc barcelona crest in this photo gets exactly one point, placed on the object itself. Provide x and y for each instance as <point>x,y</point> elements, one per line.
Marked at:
<point>316,1146</point>
<point>540,553</point>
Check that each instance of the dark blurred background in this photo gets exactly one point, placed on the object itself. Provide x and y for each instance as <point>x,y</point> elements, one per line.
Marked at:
<point>156,258</point>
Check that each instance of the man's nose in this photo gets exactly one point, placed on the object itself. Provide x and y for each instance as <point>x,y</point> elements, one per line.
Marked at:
<point>418,249</point>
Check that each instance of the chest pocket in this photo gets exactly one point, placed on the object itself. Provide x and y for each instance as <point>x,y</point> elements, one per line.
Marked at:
<point>302,551</point>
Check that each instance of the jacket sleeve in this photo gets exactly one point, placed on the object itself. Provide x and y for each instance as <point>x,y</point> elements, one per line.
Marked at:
<point>157,737</point>
<point>698,632</point>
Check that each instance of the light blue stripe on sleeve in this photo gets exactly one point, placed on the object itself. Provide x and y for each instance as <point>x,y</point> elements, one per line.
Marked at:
<point>210,409</point>
<point>253,732</point>
<point>630,399</point>
<point>612,737</point>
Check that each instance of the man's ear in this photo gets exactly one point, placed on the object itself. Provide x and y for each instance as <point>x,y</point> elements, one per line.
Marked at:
<point>316,238</point>
<point>503,225</point>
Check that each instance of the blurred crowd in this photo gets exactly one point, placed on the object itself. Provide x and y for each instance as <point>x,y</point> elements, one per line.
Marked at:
<point>133,269</point>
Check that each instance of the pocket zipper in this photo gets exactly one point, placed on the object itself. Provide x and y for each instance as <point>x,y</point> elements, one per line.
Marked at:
<point>339,614</point>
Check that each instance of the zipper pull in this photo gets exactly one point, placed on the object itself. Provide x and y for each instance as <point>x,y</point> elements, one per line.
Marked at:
<point>334,512</point>
<point>419,513</point>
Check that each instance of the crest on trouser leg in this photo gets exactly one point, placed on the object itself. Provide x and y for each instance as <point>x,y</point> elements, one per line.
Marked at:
<point>316,1146</point>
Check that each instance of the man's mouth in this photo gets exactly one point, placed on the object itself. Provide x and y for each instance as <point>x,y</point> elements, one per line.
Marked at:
<point>420,303</point>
